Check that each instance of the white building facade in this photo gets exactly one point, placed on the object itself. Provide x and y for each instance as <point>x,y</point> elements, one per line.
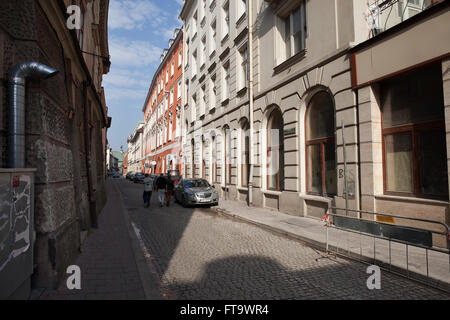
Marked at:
<point>309,59</point>
<point>135,149</point>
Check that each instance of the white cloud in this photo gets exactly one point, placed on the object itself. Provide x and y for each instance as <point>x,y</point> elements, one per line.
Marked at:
<point>133,14</point>
<point>126,78</point>
<point>135,53</point>
<point>123,94</point>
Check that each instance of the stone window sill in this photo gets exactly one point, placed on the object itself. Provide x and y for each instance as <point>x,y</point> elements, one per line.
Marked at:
<point>290,62</point>
<point>241,92</point>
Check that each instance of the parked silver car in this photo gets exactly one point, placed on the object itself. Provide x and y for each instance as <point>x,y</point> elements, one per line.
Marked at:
<point>196,192</point>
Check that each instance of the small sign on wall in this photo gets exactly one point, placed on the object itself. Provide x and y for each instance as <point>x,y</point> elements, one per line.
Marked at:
<point>289,132</point>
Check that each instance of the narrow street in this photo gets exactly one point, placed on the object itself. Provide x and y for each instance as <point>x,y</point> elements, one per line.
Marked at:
<point>197,254</point>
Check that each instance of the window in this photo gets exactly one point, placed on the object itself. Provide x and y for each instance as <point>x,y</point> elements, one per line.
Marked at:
<point>194,63</point>
<point>165,131</point>
<point>227,163</point>
<point>203,52</point>
<point>179,90</point>
<point>180,58</point>
<point>167,76</point>
<point>202,10</point>
<point>212,42</point>
<point>172,68</point>
<point>241,8</point>
<point>243,68</point>
<point>171,97</point>
<point>194,25</point>
<point>212,92</point>
<point>214,159</point>
<point>170,126</point>
<point>225,81</point>
<point>320,146</point>
<point>193,157</point>
<point>194,108</point>
<point>178,126</point>
<point>245,153</point>
<point>202,101</point>
<point>294,31</point>
<point>414,142</point>
<point>226,19</point>
<point>275,151</point>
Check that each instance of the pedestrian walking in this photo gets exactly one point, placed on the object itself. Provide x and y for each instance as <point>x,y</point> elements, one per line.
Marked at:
<point>148,188</point>
<point>170,188</point>
<point>161,186</point>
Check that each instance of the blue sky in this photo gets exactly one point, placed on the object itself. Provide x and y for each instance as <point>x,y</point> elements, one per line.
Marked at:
<point>138,32</point>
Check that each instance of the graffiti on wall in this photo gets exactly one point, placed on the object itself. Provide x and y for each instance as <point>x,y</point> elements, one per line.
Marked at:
<point>15,208</point>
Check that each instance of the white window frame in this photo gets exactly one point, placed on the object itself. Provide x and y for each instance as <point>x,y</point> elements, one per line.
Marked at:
<point>302,8</point>
<point>242,67</point>
<point>241,8</point>
<point>225,19</point>
<point>213,36</point>
<point>179,90</point>
<point>226,81</point>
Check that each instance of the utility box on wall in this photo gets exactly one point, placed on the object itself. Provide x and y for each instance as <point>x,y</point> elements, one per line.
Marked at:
<point>16,232</point>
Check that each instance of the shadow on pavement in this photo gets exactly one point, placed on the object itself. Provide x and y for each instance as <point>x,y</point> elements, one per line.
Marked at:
<point>262,278</point>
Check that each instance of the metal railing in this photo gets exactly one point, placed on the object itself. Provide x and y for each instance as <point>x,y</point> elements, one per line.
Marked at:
<point>410,236</point>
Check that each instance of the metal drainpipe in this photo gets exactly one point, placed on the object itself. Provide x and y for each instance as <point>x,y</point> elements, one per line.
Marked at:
<point>250,96</point>
<point>17,77</point>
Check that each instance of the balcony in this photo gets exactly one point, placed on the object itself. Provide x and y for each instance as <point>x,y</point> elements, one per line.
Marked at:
<point>383,15</point>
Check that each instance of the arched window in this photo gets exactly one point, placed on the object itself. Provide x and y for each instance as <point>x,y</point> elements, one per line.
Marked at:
<point>193,158</point>
<point>245,152</point>
<point>275,151</point>
<point>214,159</point>
<point>320,145</point>
<point>227,154</point>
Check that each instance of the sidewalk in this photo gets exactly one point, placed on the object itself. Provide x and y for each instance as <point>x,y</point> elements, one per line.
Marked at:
<point>313,233</point>
<point>110,262</point>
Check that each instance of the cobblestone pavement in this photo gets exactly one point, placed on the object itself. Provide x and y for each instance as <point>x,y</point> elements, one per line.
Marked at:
<point>199,255</point>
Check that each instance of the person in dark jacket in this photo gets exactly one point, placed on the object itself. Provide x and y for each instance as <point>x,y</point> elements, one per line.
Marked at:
<point>161,186</point>
<point>170,188</point>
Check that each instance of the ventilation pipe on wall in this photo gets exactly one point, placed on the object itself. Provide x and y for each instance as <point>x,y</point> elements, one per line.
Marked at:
<point>16,129</point>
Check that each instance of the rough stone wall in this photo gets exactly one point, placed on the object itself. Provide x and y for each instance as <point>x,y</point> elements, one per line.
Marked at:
<point>54,142</point>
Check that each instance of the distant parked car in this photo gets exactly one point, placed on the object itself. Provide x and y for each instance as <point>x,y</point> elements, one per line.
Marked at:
<point>116,175</point>
<point>196,192</point>
<point>138,178</point>
<point>129,176</point>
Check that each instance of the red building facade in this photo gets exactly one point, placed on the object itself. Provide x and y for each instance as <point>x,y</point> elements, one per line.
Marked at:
<point>162,112</point>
